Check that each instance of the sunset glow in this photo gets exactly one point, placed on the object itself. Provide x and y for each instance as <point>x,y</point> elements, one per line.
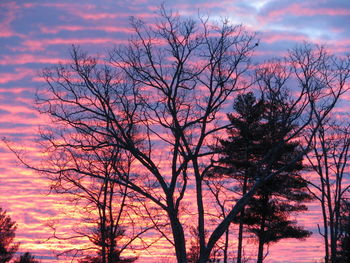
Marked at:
<point>37,34</point>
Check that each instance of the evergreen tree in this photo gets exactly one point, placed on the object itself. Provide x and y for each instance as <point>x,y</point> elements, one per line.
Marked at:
<point>105,236</point>
<point>7,235</point>
<point>255,144</point>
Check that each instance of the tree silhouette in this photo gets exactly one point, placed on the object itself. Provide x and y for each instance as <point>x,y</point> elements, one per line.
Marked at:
<point>160,100</point>
<point>27,257</point>
<point>193,250</point>
<point>7,235</point>
<point>329,160</point>
<point>343,253</point>
<point>257,127</point>
<point>102,204</point>
<point>237,152</point>
<point>109,252</point>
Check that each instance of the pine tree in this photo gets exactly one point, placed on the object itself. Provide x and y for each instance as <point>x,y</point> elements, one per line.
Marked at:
<point>256,143</point>
<point>7,234</point>
<point>105,236</point>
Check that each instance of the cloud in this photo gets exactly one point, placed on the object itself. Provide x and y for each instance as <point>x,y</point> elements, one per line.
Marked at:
<point>23,59</point>
<point>37,33</point>
<point>19,74</point>
<point>42,44</point>
<point>75,28</point>
<point>8,14</point>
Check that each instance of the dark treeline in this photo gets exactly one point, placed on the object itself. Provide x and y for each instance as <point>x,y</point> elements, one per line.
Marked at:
<point>133,136</point>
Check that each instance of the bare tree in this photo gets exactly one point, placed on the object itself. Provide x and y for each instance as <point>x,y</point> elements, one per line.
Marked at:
<point>161,102</point>
<point>105,207</point>
<point>188,81</point>
<point>329,160</point>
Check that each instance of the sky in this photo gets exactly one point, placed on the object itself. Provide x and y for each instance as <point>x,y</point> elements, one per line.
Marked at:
<point>37,34</point>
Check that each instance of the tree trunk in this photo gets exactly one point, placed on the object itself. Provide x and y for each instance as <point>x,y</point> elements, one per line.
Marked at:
<point>333,243</point>
<point>260,251</point>
<point>325,230</point>
<point>261,242</point>
<point>240,231</point>
<point>328,193</point>
<point>200,207</point>
<point>262,236</point>
<point>226,245</point>
<point>240,241</point>
<point>324,213</point>
<point>333,239</point>
<point>179,237</point>
<point>223,226</point>
<point>103,226</point>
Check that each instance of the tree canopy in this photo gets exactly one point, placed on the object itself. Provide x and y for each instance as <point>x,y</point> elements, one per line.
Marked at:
<point>257,126</point>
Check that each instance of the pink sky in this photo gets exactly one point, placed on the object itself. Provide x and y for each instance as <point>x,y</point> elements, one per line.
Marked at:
<point>38,34</point>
